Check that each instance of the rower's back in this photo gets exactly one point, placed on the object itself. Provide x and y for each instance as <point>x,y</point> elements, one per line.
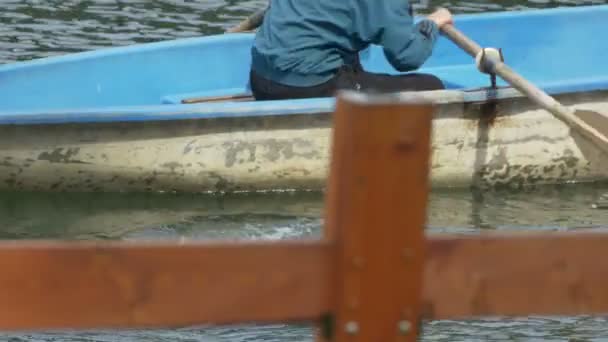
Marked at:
<point>303,43</point>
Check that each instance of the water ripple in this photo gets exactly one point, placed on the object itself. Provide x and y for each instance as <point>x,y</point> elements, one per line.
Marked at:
<point>34,28</point>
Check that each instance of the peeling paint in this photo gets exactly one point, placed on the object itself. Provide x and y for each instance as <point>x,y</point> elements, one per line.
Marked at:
<point>7,163</point>
<point>523,146</point>
<point>188,147</point>
<point>499,172</point>
<point>568,159</point>
<point>172,166</point>
<point>234,149</point>
<point>61,155</point>
<point>255,169</point>
<point>287,149</point>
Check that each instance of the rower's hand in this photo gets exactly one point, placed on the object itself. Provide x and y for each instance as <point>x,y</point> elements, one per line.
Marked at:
<point>441,17</point>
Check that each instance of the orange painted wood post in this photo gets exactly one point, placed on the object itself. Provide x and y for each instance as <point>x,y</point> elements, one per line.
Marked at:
<point>376,213</point>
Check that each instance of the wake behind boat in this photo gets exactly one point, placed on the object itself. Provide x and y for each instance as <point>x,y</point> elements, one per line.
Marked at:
<point>147,117</point>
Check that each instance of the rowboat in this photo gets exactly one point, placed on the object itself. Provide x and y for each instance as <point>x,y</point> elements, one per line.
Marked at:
<point>178,115</point>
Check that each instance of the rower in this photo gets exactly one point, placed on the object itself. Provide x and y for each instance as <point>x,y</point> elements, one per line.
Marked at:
<point>306,49</point>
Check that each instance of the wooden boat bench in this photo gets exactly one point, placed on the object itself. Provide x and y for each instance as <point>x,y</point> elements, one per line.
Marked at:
<point>244,93</point>
<point>208,96</point>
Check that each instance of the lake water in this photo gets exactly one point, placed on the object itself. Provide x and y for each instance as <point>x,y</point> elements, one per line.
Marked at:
<point>38,28</point>
<point>289,215</point>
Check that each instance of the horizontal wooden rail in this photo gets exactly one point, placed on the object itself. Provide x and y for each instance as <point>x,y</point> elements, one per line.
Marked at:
<point>516,274</point>
<point>121,285</point>
<point>115,285</point>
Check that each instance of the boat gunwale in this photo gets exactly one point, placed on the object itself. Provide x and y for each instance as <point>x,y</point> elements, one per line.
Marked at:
<point>259,109</point>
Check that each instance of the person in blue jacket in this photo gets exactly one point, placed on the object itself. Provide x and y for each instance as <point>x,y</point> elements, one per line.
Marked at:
<point>310,48</point>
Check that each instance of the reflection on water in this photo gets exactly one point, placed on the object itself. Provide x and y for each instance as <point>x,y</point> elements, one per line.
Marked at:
<point>280,215</point>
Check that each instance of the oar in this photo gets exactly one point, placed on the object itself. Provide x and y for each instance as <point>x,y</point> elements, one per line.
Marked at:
<point>254,21</point>
<point>596,133</point>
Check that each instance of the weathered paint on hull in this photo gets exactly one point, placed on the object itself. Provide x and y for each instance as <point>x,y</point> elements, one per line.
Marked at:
<point>510,142</point>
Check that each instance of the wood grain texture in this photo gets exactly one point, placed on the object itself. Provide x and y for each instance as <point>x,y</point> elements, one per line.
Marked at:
<point>516,275</point>
<point>52,285</point>
<point>376,216</point>
<point>67,285</point>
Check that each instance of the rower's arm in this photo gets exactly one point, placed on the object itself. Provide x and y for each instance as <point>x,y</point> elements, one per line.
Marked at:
<point>406,46</point>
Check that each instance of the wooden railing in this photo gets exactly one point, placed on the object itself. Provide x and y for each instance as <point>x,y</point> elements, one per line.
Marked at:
<point>373,276</point>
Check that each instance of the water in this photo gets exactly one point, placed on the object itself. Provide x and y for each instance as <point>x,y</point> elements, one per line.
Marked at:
<point>289,216</point>
<point>38,28</point>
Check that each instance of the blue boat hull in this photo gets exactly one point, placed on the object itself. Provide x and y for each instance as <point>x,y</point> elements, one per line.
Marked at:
<point>113,119</point>
<point>557,49</point>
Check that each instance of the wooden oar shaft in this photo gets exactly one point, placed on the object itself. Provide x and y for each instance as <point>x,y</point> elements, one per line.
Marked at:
<point>251,23</point>
<point>461,40</point>
<point>504,71</point>
<point>530,90</point>
<point>535,93</point>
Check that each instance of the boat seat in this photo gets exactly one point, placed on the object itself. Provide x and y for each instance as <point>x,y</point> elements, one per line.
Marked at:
<point>215,95</point>
<point>462,76</point>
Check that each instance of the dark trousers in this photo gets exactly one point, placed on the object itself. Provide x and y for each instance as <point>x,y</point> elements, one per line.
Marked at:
<point>347,78</point>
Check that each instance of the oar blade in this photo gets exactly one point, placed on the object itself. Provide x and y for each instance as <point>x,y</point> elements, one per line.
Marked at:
<point>594,119</point>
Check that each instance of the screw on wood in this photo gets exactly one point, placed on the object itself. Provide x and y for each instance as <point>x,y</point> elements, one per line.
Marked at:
<point>405,327</point>
<point>352,328</point>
